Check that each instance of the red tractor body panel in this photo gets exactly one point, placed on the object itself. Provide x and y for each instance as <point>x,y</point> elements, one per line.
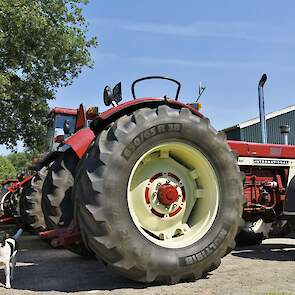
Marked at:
<point>80,141</point>
<point>268,171</point>
<point>16,185</point>
<point>248,149</point>
<point>81,118</point>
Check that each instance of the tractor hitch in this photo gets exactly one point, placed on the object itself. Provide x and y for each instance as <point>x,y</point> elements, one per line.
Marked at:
<point>63,236</point>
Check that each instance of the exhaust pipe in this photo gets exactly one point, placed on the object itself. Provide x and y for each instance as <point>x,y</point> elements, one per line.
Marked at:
<point>285,130</point>
<point>261,108</point>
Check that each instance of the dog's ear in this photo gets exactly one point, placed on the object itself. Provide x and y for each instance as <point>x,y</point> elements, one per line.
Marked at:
<point>3,236</point>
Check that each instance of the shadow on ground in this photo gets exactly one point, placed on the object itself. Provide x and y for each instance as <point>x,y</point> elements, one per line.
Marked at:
<point>269,251</point>
<point>42,268</point>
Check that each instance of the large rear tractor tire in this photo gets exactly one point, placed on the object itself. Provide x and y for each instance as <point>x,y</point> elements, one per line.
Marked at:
<point>30,202</point>
<point>160,196</point>
<point>57,204</point>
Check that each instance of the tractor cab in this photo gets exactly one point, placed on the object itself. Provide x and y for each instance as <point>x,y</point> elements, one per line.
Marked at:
<point>61,124</point>
<point>64,122</point>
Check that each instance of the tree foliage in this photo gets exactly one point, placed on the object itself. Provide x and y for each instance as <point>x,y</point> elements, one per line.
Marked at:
<point>20,160</point>
<point>7,170</point>
<point>43,45</point>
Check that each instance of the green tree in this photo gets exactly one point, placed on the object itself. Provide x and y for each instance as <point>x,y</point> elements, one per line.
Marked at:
<point>43,46</point>
<point>6,169</point>
<point>20,160</point>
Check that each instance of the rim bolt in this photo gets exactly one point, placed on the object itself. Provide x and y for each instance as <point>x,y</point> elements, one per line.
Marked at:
<point>158,185</point>
<point>158,203</point>
<point>166,209</point>
<point>154,194</point>
<point>167,181</point>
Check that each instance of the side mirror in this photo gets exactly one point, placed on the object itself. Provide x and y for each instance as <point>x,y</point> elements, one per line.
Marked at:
<point>117,92</point>
<point>66,127</point>
<point>112,96</point>
<point>107,95</point>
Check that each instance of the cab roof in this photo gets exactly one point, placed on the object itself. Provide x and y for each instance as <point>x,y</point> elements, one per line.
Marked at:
<point>64,111</point>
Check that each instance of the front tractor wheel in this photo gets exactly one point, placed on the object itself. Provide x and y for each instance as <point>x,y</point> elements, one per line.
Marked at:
<point>160,196</point>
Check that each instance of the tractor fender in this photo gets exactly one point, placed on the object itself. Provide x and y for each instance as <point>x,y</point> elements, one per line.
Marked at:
<point>128,107</point>
<point>80,141</point>
<point>289,204</point>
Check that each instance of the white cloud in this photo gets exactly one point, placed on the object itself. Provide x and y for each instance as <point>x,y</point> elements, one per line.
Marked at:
<point>191,63</point>
<point>242,30</point>
<point>214,64</point>
<point>234,30</point>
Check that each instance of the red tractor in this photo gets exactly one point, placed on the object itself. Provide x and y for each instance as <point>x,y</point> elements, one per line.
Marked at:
<point>154,190</point>
<point>8,202</point>
<point>22,197</point>
<point>268,178</point>
<point>157,195</point>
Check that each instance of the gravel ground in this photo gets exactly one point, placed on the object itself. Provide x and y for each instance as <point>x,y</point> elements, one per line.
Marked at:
<point>269,268</point>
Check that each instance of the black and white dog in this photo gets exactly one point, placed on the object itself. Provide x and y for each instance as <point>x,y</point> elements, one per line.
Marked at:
<point>8,250</point>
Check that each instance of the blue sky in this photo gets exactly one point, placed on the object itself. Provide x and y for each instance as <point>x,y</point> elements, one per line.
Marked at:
<point>225,44</point>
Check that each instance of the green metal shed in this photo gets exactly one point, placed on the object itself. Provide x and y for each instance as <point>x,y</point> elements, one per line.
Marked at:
<point>251,131</point>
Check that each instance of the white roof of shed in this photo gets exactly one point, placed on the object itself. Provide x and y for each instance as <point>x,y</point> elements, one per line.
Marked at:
<point>268,116</point>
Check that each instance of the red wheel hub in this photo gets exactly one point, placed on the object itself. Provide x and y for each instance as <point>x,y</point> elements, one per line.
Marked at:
<point>167,194</point>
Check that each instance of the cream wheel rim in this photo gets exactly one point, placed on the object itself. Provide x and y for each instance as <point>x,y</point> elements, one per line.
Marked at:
<point>173,195</point>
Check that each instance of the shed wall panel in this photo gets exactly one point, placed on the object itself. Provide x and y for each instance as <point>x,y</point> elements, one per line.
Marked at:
<point>252,133</point>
